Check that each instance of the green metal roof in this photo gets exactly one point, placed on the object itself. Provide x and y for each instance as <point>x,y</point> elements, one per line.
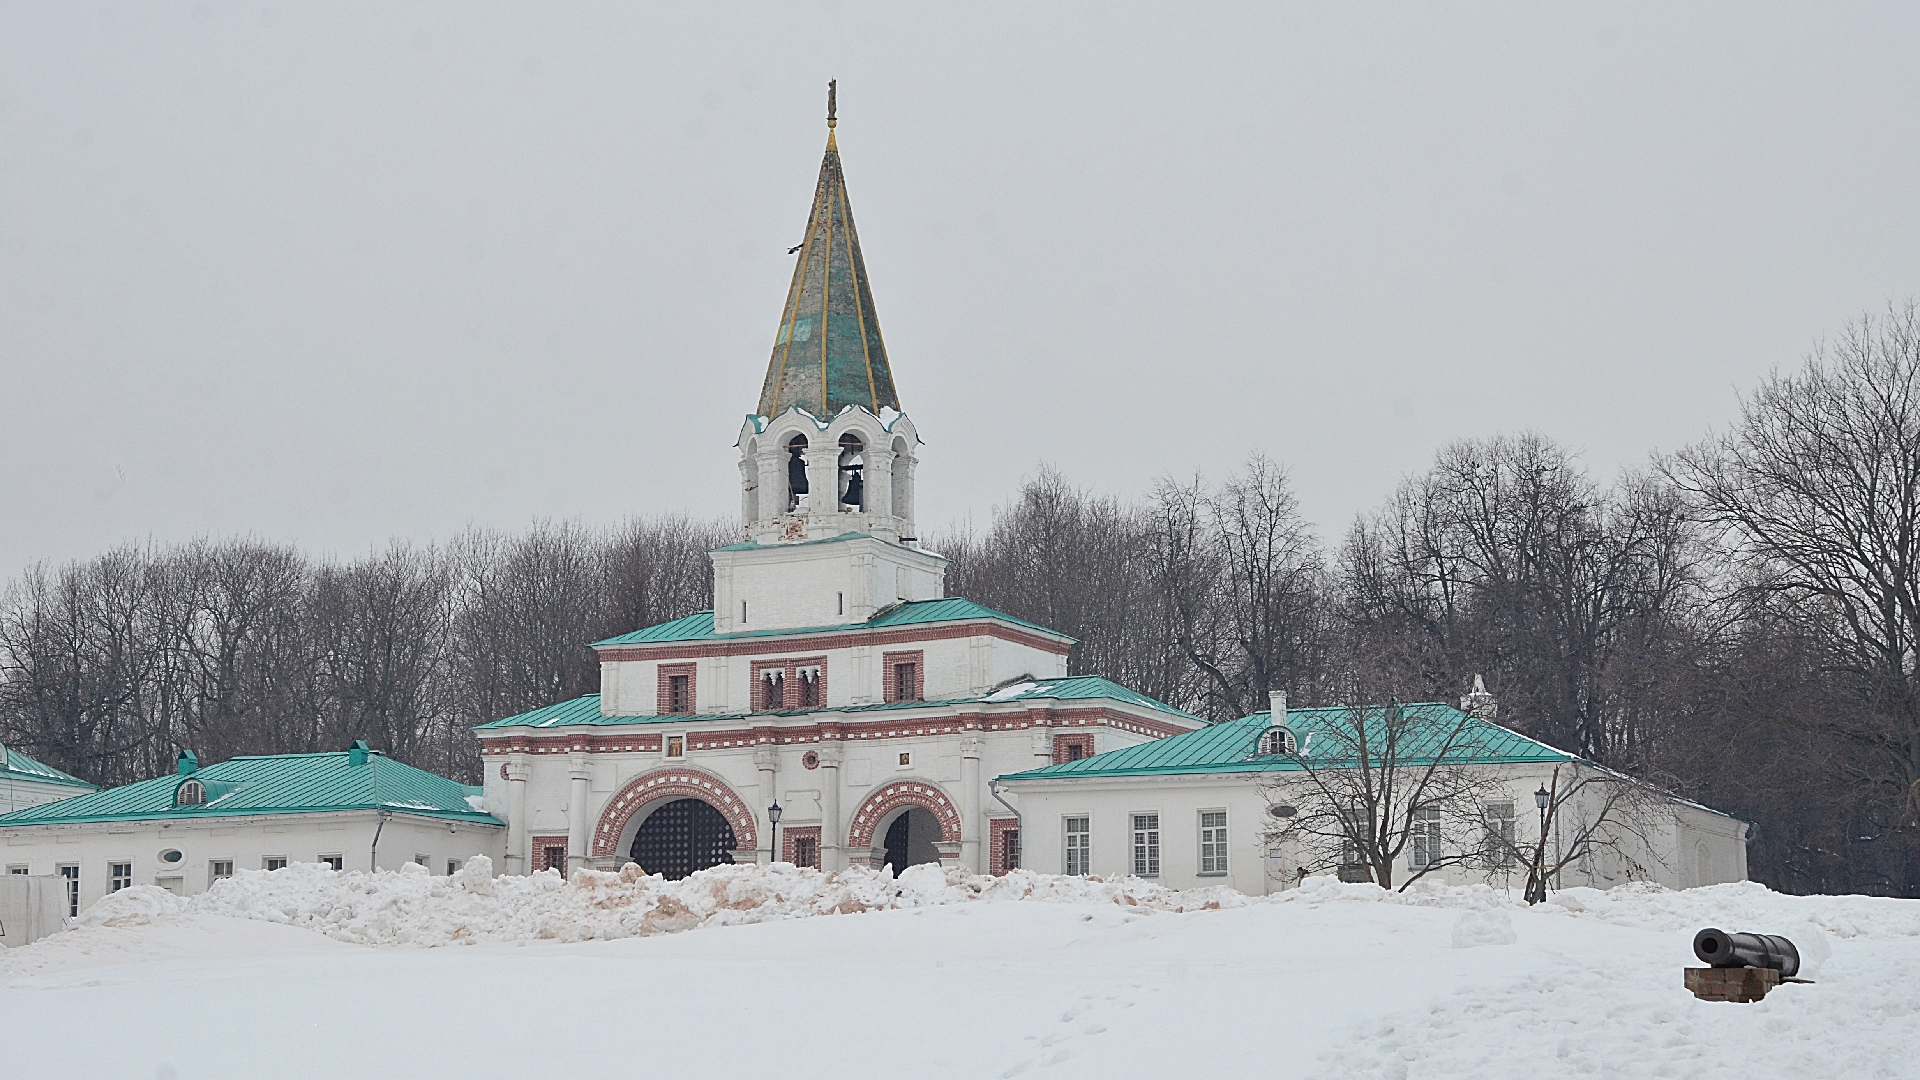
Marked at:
<point>1229,747</point>
<point>281,784</point>
<point>15,765</point>
<point>828,353</point>
<point>699,625</point>
<point>586,710</point>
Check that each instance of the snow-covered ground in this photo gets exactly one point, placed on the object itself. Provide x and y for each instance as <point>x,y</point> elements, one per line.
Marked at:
<point>745,971</point>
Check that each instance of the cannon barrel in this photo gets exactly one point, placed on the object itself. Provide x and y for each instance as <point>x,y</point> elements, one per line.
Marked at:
<point>1717,948</point>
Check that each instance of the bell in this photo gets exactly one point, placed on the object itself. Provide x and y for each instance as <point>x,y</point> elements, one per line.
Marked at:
<point>797,474</point>
<point>856,495</point>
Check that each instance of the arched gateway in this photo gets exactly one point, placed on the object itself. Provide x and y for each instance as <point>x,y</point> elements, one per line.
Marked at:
<point>909,818</point>
<point>675,822</point>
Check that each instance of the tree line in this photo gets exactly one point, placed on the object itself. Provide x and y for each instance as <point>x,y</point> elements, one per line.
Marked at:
<point>1736,623</point>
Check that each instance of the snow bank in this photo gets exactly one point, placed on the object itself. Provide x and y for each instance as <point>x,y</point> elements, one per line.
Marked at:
<point>413,907</point>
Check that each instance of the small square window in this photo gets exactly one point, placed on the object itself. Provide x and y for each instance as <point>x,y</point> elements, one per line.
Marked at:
<point>119,876</point>
<point>677,746</point>
<point>274,862</point>
<point>453,867</point>
<point>553,857</point>
<point>334,862</point>
<point>18,868</point>
<point>219,869</point>
<point>806,851</point>
<point>420,860</point>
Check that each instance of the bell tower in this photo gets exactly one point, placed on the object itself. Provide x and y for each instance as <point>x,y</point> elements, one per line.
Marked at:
<point>827,455</point>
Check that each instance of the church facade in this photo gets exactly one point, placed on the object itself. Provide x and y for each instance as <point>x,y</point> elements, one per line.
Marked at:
<point>834,707</point>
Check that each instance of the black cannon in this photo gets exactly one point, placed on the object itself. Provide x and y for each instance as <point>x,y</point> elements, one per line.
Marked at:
<point>1717,948</point>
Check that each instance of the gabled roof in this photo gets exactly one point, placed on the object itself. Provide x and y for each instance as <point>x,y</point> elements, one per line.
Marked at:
<point>15,765</point>
<point>585,711</point>
<point>280,784</point>
<point>1230,747</point>
<point>699,625</point>
<point>827,353</point>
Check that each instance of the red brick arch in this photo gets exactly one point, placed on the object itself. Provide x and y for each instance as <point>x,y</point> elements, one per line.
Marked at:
<point>677,783</point>
<point>891,797</point>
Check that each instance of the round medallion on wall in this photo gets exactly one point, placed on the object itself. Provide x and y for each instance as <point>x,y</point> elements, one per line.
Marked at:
<point>810,759</point>
<point>503,770</point>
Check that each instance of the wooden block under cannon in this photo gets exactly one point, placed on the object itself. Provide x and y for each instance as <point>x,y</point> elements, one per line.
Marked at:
<point>1741,984</point>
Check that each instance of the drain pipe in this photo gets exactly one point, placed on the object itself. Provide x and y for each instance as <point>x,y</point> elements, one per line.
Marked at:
<point>373,855</point>
<point>993,788</point>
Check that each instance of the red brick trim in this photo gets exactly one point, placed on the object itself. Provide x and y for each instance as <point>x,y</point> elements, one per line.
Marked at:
<point>892,690</point>
<point>893,796</point>
<point>678,782</point>
<point>935,722</point>
<point>997,830</point>
<point>540,846</point>
<point>839,640</point>
<point>1063,743</point>
<point>664,707</point>
<point>798,832</point>
<point>789,669</point>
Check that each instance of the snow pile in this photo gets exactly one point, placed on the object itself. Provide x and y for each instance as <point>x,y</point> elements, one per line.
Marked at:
<point>413,907</point>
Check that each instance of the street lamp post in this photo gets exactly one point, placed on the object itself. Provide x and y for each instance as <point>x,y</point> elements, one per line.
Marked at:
<point>1540,799</point>
<point>773,832</point>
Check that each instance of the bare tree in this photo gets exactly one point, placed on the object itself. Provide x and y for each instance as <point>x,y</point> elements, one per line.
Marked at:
<point>1374,783</point>
<point>1593,814</point>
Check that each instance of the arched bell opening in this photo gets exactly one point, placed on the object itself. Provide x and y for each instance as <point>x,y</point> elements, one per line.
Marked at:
<point>678,837</point>
<point>796,472</point>
<point>852,469</point>
<point>902,481</point>
<point>909,835</point>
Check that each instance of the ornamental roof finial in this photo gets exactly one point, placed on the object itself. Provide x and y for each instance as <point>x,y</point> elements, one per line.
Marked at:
<point>831,93</point>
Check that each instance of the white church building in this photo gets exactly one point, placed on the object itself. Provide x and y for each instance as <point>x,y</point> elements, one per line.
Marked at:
<point>836,708</point>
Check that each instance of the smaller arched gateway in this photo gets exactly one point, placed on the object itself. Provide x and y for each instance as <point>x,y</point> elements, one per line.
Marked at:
<point>905,823</point>
<point>678,820</point>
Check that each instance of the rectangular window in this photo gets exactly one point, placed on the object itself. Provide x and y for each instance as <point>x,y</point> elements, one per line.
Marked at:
<point>420,860</point>
<point>1426,838</point>
<point>334,862</point>
<point>219,869</point>
<point>71,872</point>
<point>1010,851</point>
<point>1500,832</point>
<point>809,688</point>
<point>119,876</point>
<point>274,862</point>
<point>553,857</point>
<point>18,869</point>
<point>678,699</point>
<point>906,680</point>
<point>1213,841</point>
<point>1146,845</point>
<point>453,867</point>
<point>1079,847</point>
<point>773,690</point>
<point>806,851</point>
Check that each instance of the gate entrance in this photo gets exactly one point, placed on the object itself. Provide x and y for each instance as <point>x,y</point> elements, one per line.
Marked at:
<point>681,837</point>
<point>910,839</point>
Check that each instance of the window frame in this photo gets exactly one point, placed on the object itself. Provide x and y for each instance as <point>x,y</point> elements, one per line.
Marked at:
<point>119,875</point>
<point>1219,842</point>
<point>334,861</point>
<point>1426,846</point>
<point>268,862</point>
<point>1144,855</point>
<point>1501,829</point>
<point>1083,850</point>
<point>890,664</point>
<point>664,704</point>
<point>213,870</point>
<point>71,871</point>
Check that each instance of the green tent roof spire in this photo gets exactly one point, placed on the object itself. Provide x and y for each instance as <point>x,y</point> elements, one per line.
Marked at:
<point>828,353</point>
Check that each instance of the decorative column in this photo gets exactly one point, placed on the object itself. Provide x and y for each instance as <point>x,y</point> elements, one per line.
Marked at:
<point>517,841</point>
<point>773,486</point>
<point>879,485</point>
<point>763,760</point>
<point>949,854</point>
<point>971,827</point>
<point>823,477</point>
<point>580,777</point>
<point>831,827</point>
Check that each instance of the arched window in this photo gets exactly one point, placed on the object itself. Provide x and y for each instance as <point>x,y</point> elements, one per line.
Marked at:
<point>191,793</point>
<point>852,465</point>
<point>773,690</point>
<point>1277,741</point>
<point>796,471</point>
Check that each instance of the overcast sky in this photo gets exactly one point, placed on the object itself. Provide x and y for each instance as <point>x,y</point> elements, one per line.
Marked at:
<point>338,273</point>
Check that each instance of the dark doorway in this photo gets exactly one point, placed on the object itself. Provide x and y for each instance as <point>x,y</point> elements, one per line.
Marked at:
<point>910,839</point>
<point>682,837</point>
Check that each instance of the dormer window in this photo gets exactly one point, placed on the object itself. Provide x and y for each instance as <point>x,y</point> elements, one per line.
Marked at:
<point>1275,741</point>
<point>191,793</point>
